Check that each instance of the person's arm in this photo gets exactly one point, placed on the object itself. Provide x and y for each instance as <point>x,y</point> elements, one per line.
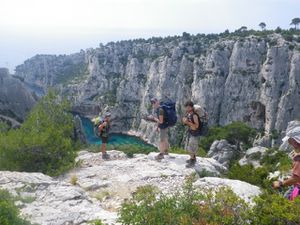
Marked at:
<point>101,127</point>
<point>290,181</point>
<point>294,179</point>
<point>192,125</point>
<point>160,119</point>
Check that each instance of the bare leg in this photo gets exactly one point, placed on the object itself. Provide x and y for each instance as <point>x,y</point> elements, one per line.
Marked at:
<point>167,146</point>
<point>193,155</point>
<point>103,148</point>
<point>162,146</point>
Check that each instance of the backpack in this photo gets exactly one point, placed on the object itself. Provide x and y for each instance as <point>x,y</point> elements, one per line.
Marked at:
<point>170,117</point>
<point>295,193</point>
<point>203,117</point>
<point>97,122</point>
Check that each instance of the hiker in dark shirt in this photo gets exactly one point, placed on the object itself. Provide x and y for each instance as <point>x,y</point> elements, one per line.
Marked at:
<point>104,134</point>
<point>163,132</point>
<point>192,120</point>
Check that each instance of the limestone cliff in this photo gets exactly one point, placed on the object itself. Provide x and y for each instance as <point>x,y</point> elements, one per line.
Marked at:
<point>251,79</point>
<point>15,99</point>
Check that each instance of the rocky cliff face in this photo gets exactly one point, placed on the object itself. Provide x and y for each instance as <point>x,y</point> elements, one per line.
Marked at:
<point>251,79</point>
<point>15,99</point>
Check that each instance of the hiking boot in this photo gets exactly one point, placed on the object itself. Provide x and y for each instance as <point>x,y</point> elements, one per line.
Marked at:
<point>166,153</point>
<point>190,163</point>
<point>105,156</point>
<point>160,156</point>
<point>190,160</point>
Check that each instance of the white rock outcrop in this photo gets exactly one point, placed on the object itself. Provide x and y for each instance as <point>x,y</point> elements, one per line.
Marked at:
<point>242,189</point>
<point>47,201</point>
<point>222,152</point>
<point>101,186</point>
<point>253,156</point>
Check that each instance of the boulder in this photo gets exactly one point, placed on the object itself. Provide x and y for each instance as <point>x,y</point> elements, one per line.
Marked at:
<point>222,152</point>
<point>242,189</point>
<point>253,156</point>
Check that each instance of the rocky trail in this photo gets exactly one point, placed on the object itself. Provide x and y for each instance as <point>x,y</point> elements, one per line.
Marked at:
<point>97,188</point>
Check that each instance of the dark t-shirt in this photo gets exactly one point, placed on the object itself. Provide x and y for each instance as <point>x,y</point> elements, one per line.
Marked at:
<point>190,117</point>
<point>161,112</point>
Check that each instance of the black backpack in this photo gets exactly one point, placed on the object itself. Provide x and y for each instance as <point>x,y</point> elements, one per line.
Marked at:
<point>203,119</point>
<point>170,117</point>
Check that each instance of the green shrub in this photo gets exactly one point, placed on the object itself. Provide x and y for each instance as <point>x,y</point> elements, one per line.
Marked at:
<point>190,206</point>
<point>9,213</point>
<point>275,159</point>
<point>201,152</point>
<point>44,141</point>
<point>178,150</point>
<point>275,134</point>
<point>214,207</point>
<point>97,222</point>
<point>276,210</point>
<point>4,127</point>
<point>128,149</point>
<point>288,37</point>
<point>236,133</point>
<point>224,207</point>
<point>249,174</point>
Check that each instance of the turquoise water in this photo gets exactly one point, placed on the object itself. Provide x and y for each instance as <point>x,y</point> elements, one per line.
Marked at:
<point>114,139</point>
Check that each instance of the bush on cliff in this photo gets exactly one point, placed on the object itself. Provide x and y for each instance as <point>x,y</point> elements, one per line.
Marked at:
<point>44,141</point>
<point>250,175</point>
<point>236,133</point>
<point>9,213</point>
<point>220,206</point>
<point>276,210</point>
<point>273,160</point>
<point>148,207</point>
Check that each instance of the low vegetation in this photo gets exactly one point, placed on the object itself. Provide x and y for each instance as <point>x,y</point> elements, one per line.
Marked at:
<point>178,150</point>
<point>215,207</point>
<point>9,213</point>
<point>44,143</point>
<point>250,175</point>
<point>236,133</point>
<point>273,160</point>
<point>97,222</point>
<point>74,179</point>
<point>128,149</point>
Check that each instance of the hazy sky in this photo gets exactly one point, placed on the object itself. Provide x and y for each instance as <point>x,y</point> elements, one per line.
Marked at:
<point>29,27</point>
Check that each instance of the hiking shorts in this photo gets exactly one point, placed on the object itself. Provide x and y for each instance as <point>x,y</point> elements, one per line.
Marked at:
<point>104,140</point>
<point>192,144</point>
<point>163,134</point>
